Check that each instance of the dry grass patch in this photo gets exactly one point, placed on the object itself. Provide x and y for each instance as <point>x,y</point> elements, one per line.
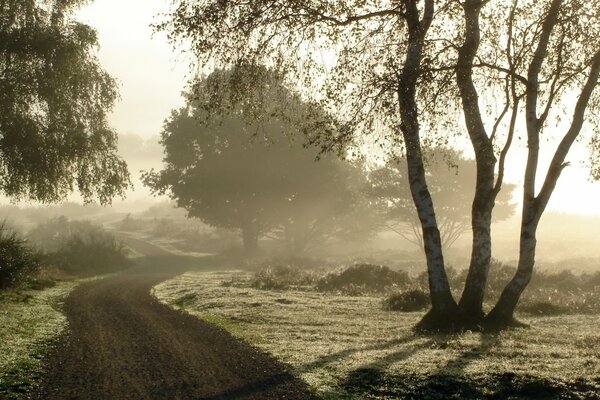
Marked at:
<point>349,347</point>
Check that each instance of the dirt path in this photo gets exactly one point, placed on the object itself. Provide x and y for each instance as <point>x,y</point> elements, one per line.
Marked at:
<point>123,344</point>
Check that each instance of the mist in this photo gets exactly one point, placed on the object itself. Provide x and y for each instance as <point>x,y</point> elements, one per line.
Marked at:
<point>304,200</point>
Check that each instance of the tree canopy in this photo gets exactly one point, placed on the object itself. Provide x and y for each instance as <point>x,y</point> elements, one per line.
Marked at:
<point>54,99</point>
<point>246,169</point>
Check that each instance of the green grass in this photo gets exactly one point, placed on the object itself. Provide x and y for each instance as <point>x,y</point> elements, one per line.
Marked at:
<point>29,322</point>
<point>348,347</point>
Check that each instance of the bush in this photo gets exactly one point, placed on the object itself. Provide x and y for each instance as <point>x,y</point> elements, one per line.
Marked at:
<point>281,278</point>
<point>96,254</point>
<point>542,308</point>
<point>409,301</point>
<point>364,277</point>
<point>79,247</point>
<point>17,260</point>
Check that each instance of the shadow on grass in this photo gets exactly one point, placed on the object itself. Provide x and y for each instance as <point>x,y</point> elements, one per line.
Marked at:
<point>451,382</point>
<point>375,384</point>
<point>338,356</point>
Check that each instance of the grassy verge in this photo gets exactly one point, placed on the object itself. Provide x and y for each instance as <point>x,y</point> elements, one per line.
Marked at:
<point>29,322</point>
<point>348,347</point>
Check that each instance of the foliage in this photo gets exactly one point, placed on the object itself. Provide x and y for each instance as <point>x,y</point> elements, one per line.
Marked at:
<point>450,177</point>
<point>54,100</point>
<point>408,301</point>
<point>282,278</point>
<point>17,259</point>
<point>236,172</point>
<point>79,247</point>
<point>363,278</point>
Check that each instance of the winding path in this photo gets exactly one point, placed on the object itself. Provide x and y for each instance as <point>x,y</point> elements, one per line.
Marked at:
<point>124,344</point>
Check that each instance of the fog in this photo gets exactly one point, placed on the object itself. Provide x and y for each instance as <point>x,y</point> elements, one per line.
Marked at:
<point>209,199</point>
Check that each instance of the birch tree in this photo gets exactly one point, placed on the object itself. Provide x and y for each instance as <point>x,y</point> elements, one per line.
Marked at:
<point>403,71</point>
<point>548,59</point>
<point>450,177</point>
<point>54,101</point>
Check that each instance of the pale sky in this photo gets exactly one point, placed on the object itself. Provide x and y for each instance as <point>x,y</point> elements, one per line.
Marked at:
<point>152,76</point>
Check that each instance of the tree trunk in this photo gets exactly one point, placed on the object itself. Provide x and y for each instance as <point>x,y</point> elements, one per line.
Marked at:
<point>503,313</point>
<point>471,302</point>
<point>444,310</point>
<point>250,239</point>
<point>442,302</point>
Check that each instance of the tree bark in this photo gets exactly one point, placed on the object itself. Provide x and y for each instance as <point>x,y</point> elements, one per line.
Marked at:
<point>503,313</point>
<point>471,302</point>
<point>250,239</point>
<point>443,306</point>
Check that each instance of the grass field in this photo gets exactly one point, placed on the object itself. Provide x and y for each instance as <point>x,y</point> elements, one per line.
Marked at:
<point>347,347</point>
<point>29,322</point>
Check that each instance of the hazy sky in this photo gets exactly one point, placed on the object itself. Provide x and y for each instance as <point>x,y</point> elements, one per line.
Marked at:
<point>150,73</point>
<point>152,76</point>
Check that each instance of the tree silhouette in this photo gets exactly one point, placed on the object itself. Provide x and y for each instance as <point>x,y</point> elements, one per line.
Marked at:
<point>244,168</point>
<point>450,177</point>
<point>54,97</point>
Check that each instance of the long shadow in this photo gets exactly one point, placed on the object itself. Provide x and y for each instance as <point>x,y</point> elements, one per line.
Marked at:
<point>330,358</point>
<point>450,381</point>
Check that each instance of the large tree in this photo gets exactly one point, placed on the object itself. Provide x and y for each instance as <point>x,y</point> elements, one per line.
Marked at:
<point>54,98</point>
<point>450,177</point>
<point>240,166</point>
<point>391,67</point>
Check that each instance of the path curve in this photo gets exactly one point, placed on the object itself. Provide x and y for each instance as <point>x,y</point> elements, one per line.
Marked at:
<point>124,344</point>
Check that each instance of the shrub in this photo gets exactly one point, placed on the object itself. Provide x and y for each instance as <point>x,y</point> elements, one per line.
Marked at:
<point>542,308</point>
<point>367,277</point>
<point>281,278</point>
<point>17,259</point>
<point>409,301</point>
<point>131,224</point>
<point>95,254</point>
<point>79,247</point>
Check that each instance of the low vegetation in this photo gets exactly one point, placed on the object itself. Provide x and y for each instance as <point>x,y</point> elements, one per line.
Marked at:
<point>350,347</point>
<point>79,248</point>
<point>30,320</point>
<point>409,301</point>
<point>549,293</point>
<point>18,260</point>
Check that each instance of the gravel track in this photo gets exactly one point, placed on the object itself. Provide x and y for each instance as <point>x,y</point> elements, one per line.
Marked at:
<point>124,344</point>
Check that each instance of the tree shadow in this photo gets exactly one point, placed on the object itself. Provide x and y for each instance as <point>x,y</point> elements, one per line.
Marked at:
<point>331,358</point>
<point>451,382</point>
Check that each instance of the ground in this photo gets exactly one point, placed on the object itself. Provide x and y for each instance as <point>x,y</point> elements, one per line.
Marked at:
<point>348,347</point>
<point>29,322</point>
<point>124,344</point>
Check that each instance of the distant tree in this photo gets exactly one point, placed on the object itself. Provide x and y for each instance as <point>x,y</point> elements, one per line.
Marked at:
<point>54,98</point>
<point>243,167</point>
<point>450,177</point>
<point>328,207</point>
